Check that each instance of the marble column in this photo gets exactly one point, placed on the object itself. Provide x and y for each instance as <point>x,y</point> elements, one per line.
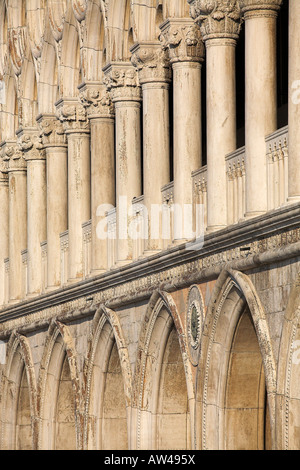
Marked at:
<point>294,101</point>
<point>122,82</point>
<point>3,220</point>
<point>17,172</point>
<point>220,24</point>
<point>55,144</point>
<point>73,116</point>
<point>152,63</point>
<point>100,113</point>
<point>186,51</point>
<point>29,141</point>
<point>261,96</point>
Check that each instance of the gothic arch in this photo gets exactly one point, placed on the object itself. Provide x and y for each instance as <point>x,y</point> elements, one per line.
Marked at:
<point>234,303</point>
<point>119,30</point>
<point>19,396</point>
<point>107,364</point>
<point>162,331</point>
<point>288,393</point>
<point>59,368</point>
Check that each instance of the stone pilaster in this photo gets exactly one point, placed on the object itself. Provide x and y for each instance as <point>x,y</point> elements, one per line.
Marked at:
<point>4,220</point>
<point>182,38</point>
<point>54,142</point>
<point>152,63</point>
<point>122,83</point>
<point>220,24</point>
<point>100,112</point>
<point>72,114</point>
<point>261,96</point>
<point>17,172</point>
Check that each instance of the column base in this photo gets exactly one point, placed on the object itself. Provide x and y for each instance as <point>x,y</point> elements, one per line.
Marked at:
<point>251,215</point>
<point>293,199</point>
<point>215,228</point>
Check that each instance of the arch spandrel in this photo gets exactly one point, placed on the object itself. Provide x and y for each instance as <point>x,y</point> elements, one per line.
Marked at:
<point>233,293</point>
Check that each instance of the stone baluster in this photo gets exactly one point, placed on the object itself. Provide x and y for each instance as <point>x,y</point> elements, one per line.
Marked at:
<point>17,173</point>
<point>73,116</point>
<point>100,113</point>
<point>186,51</point>
<point>261,96</point>
<point>122,82</point>
<point>152,63</point>
<point>54,142</point>
<point>220,24</point>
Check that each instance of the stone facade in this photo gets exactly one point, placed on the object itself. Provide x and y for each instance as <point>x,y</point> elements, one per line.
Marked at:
<point>149,266</point>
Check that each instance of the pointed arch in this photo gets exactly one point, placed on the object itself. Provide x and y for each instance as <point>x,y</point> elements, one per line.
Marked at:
<point>234,300</point>
<point>19,396</point>
<point>162,350</point>
<point>106,345</point>
<point>288,393</point>
<point>59,370</point>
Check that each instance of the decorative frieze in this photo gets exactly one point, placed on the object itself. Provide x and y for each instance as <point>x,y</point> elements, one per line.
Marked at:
<point>182,38</point>
<point>151,61</point>
<point>217,19</point>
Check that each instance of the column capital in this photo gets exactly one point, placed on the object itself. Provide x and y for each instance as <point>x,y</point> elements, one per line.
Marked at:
<point>72,114</point>
<point>121,80</point>
<point>217,19</point>
<point>183,39</point>
<point>14,157</point>
<point>260,7</point>
<point>95,98</point>
<point>3,165</point>
<point>30,143</point>
<point>151,61</point>
<point>51,130</point>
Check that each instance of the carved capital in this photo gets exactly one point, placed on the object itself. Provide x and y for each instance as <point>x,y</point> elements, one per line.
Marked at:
<point>3,165</point>
<point>152,62</point>
<point>51,130</point>
<point>217,18</point>
<point>183,39</point>
<point>29,141</point>
<point>260,7</point>
<point>95,98</point>
<point>121,80</point>
<point>14,157</point>
<point>72,115</point>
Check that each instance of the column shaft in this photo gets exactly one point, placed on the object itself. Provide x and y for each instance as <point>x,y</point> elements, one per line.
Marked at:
<point>261,103</point>
<point>221,125</point>
<point>4,207</point>
<point>294,101</point>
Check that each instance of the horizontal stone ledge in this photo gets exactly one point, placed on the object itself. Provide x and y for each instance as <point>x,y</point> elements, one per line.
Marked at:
<point>167,265</point>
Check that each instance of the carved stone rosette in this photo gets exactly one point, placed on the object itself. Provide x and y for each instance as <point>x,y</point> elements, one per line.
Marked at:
<point>217,18</point>
<point>51,130</point>
<point>95,98</point>
<point>183,39</point>
<point>152,62</point>
<point>72,115</point>
<point>121,80</point>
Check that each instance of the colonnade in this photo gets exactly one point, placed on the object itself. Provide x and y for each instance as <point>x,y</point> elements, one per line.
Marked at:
<point>111,142</point>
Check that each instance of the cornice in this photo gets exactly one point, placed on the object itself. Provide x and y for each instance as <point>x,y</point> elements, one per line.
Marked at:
<point>252,244</point>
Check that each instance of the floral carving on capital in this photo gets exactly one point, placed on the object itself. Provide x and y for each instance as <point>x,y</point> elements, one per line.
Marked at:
<point>52,133</point>
<point>183,40</point>
<point>96,100</point>
<point>217,18</point>
<point>31,145</point>
<point>121,80</point>
<point>72,115</point>
<point>15,158</point>
<point>152,62</point>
